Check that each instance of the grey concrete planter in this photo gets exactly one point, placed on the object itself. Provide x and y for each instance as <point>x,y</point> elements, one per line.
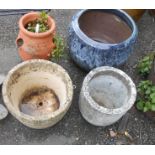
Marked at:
<point>106,95</point>
<point>37,73</point>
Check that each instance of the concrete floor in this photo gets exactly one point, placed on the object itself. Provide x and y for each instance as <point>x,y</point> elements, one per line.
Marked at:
<point>73,129</point>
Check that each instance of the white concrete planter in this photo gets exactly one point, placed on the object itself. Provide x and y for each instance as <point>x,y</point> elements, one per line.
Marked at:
<point>37,73</point>
<point>106,95</point>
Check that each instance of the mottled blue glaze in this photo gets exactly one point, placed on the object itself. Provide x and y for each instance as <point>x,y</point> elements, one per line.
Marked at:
<point>89,54</point>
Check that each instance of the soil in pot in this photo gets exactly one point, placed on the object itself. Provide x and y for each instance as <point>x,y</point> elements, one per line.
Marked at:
<point>42,27</point>
<point>39,101</point>
<point>38,25</point>
<point>104,27</point>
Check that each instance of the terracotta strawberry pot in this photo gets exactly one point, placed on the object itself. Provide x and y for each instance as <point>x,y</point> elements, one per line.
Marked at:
<point>35,45</point>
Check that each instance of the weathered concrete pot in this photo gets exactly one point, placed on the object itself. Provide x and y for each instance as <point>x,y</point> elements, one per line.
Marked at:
<point>37,73</point>
<point>89,34</point>
<point>106,95</point>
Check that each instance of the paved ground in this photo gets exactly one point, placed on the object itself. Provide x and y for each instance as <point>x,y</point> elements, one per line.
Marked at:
<point>73,129</point>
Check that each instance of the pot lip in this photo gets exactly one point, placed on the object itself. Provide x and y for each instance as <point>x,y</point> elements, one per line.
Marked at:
<point>32,34</point>
<point>122,109</point>
<point>99,45</point>
<point>22,116</point>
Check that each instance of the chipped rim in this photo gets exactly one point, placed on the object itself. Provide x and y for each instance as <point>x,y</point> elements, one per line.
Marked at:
<point>22,116</point>
<point>90,100</point>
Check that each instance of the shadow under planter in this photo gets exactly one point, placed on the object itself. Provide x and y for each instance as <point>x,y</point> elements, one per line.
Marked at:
<point>101,37</point>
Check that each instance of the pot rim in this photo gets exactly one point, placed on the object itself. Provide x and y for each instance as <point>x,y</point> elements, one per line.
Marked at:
<point>125,107</point>
<point>93,43</point>
<point>32,34</point>
<point>21,116</point>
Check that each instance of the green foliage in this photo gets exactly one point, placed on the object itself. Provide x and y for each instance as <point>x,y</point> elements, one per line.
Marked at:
<point>58,51</point>
<point>146,96</point>
<point>144,65</point>
<point>42,21</point>
<point>43,17</point>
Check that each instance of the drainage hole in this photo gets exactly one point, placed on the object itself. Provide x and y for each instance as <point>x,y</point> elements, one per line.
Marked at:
<point>40,103</point>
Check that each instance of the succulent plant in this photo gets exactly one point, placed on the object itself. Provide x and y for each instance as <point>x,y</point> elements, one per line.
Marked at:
<point>41,21</point>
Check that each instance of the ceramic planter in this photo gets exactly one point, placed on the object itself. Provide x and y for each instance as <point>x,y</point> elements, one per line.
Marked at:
<point>136,14</point>
<point>35,45</point>
<point>37,74</point>
<point>107,94</point>
<point>87,52</point>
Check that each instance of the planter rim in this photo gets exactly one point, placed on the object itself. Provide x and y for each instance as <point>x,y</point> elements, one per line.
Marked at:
<point>96,44</point>
<point>102,109</point>
<point>32,34</point>
<point>47,117</point>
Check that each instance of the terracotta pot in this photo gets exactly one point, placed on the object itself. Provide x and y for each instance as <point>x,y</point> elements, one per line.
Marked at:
<point>35,45</point>
<point>136,14</point>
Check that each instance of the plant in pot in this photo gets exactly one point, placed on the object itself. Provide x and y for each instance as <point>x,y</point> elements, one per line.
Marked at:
<point>146,87</point>
<point>36,38</point>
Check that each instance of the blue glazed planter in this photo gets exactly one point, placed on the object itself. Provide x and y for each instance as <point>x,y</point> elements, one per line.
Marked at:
<point>89,54</point>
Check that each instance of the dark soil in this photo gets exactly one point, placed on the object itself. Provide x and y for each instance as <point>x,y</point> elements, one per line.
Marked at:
<point>31,26</point>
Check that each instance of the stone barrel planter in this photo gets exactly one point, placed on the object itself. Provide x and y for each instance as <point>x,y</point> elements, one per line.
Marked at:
<point>41,108</point>
<point>96,38</point>
<point>107,94</point>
